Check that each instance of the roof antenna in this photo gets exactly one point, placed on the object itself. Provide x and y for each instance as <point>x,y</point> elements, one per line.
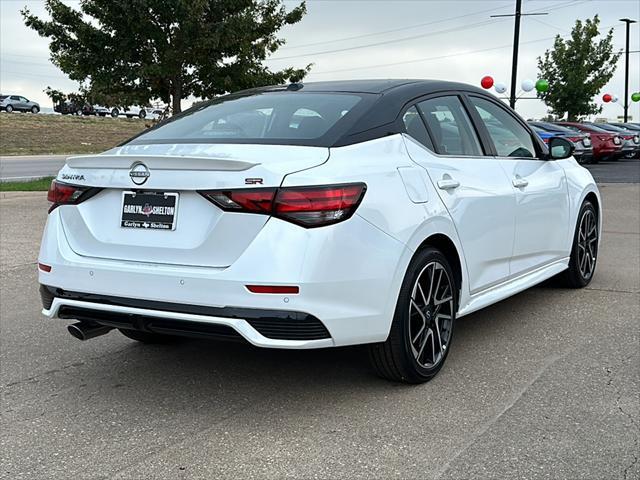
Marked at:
<point>295,86</point>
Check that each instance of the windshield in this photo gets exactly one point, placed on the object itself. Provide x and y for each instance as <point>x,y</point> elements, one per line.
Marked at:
<point>609,128</point>
<point>268,117</point>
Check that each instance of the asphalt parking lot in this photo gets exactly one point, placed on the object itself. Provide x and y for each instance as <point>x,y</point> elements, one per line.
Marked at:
<point>543,385</point>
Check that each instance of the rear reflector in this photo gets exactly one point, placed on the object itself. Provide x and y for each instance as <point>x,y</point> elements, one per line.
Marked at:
<point>313,206</point>
<point>281,289</point>
<point>44,268</point>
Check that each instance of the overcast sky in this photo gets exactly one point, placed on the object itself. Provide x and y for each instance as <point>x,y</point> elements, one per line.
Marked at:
<point>450,40</point>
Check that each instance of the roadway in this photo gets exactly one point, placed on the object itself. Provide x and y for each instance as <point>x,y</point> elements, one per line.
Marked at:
<point>27,167</point>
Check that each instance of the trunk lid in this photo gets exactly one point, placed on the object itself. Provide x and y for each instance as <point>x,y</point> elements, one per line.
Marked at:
<point>204,235</point>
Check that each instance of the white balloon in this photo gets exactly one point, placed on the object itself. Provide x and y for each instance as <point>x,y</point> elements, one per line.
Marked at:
<point>500,87</point>
<point>528,85</point>
<point>614,98</point>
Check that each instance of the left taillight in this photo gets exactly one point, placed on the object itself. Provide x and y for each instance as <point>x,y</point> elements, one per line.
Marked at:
<point>67,194</point>
<point>312,206</point>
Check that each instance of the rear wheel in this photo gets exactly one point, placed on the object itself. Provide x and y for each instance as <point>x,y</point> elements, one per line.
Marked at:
<point>142,114</point>
<point>422,328</point>
<point>147,337</point>
<point>9,108</point>
<point>115,112</point>
<point>584,252</point>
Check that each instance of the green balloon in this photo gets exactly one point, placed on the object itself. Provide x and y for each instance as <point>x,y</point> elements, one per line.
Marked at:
<point>542,85</point>
<point>636,97</point>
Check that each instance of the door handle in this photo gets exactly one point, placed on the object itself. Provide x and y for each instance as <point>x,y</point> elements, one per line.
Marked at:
<point>448,184</point>
<point>519,182</point>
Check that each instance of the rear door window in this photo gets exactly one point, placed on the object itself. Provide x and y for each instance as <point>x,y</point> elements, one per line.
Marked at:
<point>510,137</point>
<point>450,127</point>
<point>414,127</point>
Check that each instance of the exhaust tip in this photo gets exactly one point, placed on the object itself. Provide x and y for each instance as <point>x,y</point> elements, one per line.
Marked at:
<point>76,331</point>
<point>85,331</point>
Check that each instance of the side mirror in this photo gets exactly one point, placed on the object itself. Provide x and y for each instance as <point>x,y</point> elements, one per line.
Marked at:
<point>560,148</point>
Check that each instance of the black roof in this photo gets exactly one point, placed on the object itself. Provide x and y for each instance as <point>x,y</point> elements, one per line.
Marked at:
<point>375,116</point>
<point>380,86</point>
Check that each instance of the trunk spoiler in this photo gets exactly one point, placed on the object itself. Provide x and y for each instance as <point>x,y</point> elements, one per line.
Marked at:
<point>159,162</point>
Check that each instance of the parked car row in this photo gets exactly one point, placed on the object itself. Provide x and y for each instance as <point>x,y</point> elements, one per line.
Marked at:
<point>594,142</point>
<point>72,108</point>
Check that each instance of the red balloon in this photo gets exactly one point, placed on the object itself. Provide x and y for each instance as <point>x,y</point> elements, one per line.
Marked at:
<point>606,98</point>
<point>486,82</point>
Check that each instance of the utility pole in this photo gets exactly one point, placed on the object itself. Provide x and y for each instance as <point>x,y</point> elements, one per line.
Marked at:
<point>628,21</point>
<point>516,43</point>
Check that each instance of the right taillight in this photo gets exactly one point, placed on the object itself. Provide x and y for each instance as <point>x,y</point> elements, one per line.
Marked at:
<point>313,206</point>
<point>67,194</point>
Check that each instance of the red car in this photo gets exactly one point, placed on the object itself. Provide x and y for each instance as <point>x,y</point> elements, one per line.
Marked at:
<point>606,145</point>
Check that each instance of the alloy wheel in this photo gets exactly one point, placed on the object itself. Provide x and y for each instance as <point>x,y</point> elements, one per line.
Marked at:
<point>431,310</point>
<point>587,244</point>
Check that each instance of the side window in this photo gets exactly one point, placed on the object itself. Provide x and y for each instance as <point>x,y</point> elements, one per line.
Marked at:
<point>450,127</point>
<point>414,127</point>
<point>15,97</point>
<point>22,99</point>
<point>510,138</point>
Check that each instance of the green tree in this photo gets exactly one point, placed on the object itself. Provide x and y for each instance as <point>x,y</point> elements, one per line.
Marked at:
<point>131,51</point>
<point>577,69</point>
<point>56,96</point>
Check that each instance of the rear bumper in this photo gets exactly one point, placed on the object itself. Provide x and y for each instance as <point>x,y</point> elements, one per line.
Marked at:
<point>263,328</point>
<point>348,275</point>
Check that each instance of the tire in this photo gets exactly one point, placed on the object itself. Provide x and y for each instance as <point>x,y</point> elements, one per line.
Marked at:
<point>581,271</point>
<point>142,114</point>
<point>34,109</point>
<point>412,352</point>
<point>9,108</point>
<point>115,113</point>
<point>147,337</point>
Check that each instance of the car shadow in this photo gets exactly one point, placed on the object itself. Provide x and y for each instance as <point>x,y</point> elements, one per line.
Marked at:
<point>213,375</point>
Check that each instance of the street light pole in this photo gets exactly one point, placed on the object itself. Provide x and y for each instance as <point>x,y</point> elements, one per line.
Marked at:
<point>516,43</point>
<point>514,60</point>
<point>628,21</point>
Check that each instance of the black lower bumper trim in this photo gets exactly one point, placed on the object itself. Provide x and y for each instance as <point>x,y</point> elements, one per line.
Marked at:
<point>273,324</point>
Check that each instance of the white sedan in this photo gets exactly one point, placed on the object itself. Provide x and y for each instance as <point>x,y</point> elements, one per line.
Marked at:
<point>319,215</point>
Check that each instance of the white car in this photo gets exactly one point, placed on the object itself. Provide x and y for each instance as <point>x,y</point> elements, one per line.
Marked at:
<point>319,215</point>
<point>131,112</point>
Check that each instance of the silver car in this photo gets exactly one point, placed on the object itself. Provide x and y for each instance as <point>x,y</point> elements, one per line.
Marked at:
<point>18,103</point>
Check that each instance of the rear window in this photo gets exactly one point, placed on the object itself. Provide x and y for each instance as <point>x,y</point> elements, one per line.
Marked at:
<point>271,117</point>
<point>551,127</point>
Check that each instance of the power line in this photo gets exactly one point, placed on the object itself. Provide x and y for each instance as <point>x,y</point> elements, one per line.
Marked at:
<point>386,42</point>
<point>414,37</point>
<point>425,59</point>
<point>384,32</point>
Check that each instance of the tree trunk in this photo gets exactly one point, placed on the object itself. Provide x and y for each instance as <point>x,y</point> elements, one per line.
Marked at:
<point>176,97</point>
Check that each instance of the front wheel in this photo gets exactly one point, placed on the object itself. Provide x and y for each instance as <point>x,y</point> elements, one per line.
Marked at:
<point>584,252</point>
<point>422,328</point>
<point>115,112</point>
<point>34,109</point>
<point>142,114</point>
